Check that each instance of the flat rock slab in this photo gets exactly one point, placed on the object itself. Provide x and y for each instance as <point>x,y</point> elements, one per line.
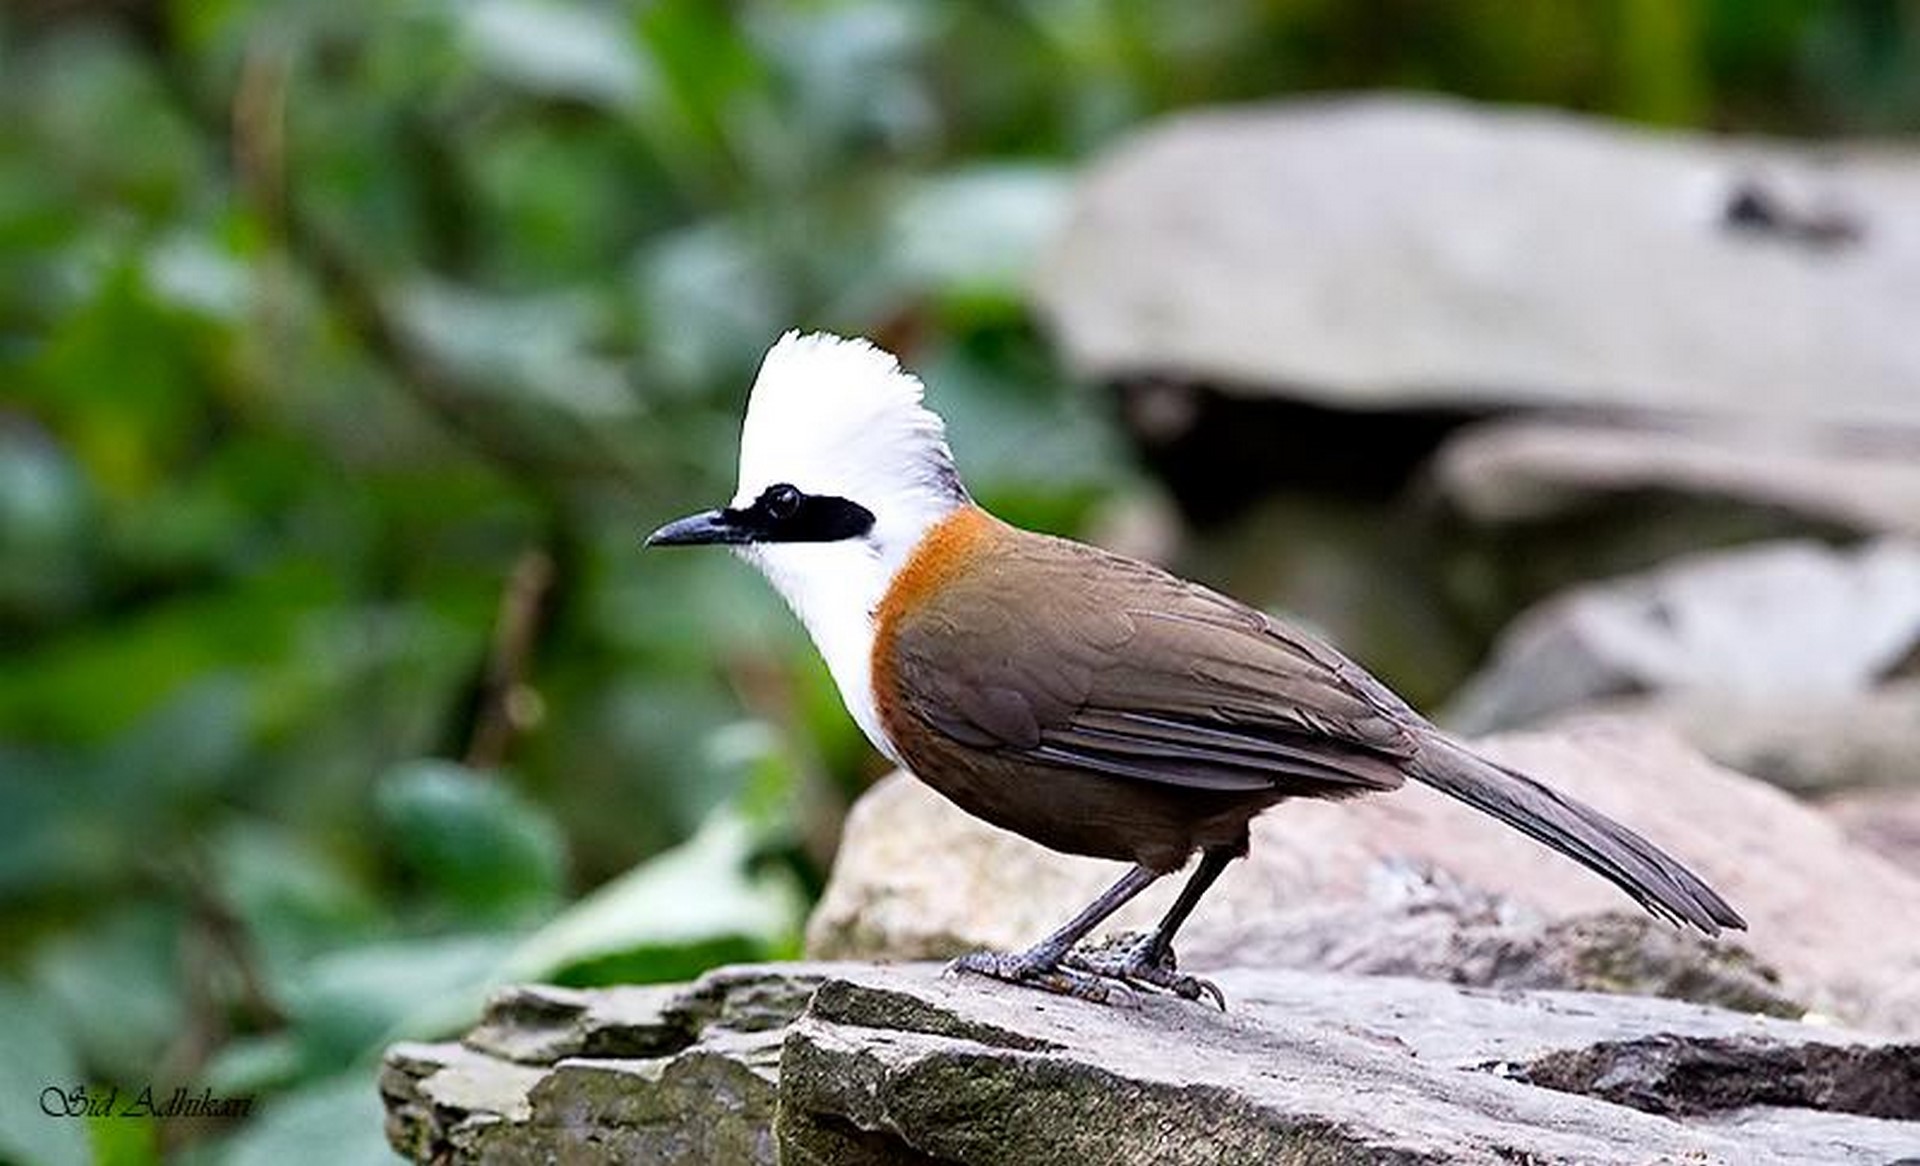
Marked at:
<point>1785,623</point>
<point>1421,253</point>
<point>900,1064</point>
<point>891,1064</point>
<point>1530,470</point>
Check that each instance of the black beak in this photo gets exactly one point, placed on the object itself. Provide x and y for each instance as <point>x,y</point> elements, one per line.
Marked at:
<point>712,526</point>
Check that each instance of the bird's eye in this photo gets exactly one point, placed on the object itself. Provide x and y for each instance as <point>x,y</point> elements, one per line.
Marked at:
<point>782,502</point>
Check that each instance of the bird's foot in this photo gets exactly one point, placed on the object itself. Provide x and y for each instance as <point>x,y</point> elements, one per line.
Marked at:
<point>1044,970</point>
<point>1134,959</point>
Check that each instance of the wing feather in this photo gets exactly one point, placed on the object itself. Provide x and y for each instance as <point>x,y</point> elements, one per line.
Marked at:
<point>1071,657</point>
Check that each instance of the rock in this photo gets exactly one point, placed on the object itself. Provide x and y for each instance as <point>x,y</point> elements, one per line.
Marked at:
<point>444,1101</point>
<point>916,877</point>
<point>1770,626</point>
<point>1433,929</point>
<point>1526,509</point>
<point>1815,746</point>
<point>672,1074</point>
<point>1307,1067</point>
<point>1358,278</point>
<point>1533,471</point>
<point>1885,821</point>
<point>1400,253</point>
<point>1785,661</point>
<point>903,1064</point>
<point>1679,1075</point>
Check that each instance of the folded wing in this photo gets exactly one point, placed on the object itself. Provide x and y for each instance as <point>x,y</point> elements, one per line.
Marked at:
<point>1071,657</point>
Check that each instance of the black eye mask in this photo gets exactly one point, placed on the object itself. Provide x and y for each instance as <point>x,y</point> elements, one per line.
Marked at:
<point>784,514</point>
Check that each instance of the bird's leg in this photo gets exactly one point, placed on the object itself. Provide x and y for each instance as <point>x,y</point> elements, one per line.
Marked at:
<point>1147,957</point>
<point>1040,966</point>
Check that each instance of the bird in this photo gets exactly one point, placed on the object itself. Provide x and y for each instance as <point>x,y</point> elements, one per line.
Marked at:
<point>1092,703</point>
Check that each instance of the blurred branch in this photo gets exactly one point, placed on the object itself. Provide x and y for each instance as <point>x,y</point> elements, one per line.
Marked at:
<point>359,302</point>
<point>508,704</point>
<point>769,694</point>
<point>255,122</point>
<point>213,946</point>
<point>259,127</point>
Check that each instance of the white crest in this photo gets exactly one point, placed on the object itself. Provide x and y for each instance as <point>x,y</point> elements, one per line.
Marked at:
<point>840,417</point>
<point>836,416</point>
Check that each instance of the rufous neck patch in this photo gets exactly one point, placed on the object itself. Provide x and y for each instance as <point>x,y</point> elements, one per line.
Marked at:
<point>946,547</point>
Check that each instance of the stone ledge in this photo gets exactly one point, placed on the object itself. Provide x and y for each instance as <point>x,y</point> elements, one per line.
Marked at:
<point>851,1063</point>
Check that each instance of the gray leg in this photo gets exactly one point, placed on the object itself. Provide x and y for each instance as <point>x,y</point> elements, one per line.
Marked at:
<point>1213,860</point>
<point>1040,964</point>
<point>1148,958</point>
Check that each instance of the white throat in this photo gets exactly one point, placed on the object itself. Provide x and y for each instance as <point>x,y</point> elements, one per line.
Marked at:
<point>841,418</point>
<point>836,589</point>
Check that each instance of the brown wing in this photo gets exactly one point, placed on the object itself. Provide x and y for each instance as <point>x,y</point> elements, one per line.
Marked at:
<point>1072,657</point>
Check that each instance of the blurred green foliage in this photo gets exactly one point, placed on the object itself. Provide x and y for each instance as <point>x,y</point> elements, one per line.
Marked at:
<point>348,347</point>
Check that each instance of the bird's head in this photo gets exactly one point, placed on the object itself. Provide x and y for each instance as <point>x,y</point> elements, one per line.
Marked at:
<point>842,471</point>
<point>837,448</point>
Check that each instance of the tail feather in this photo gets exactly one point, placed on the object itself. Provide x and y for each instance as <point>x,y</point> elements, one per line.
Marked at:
<point>1654,879</point>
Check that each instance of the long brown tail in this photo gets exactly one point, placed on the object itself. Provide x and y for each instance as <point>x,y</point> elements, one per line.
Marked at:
<point>1654,879</point>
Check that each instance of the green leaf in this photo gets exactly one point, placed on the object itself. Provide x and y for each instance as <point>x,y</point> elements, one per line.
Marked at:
<point>38,1058</point>
<point>188,270</point>
<point>555,50</point>
<point>100,114</point>
<point>854,74</point>
<point>977,231</point>
<point>44,530</point>
<point>476,844</point>
<point>185,749</point>
<point>712,300</point>
<point>116,987</point>
<point>351,1002</point>
<point>95,683</point>
<point>296,899</point>
<point>72,821</point>
<point>699,893</point>
<point>630,773</point>
<point>338,1121</point>
<point>536,350</point>
<point>250,1065</point>
<point>120,1140</point>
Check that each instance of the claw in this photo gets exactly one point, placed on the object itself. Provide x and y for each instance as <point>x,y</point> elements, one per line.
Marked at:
<point>1110,972</point>
<point>1135,960</point>
<point>1024,969</point>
